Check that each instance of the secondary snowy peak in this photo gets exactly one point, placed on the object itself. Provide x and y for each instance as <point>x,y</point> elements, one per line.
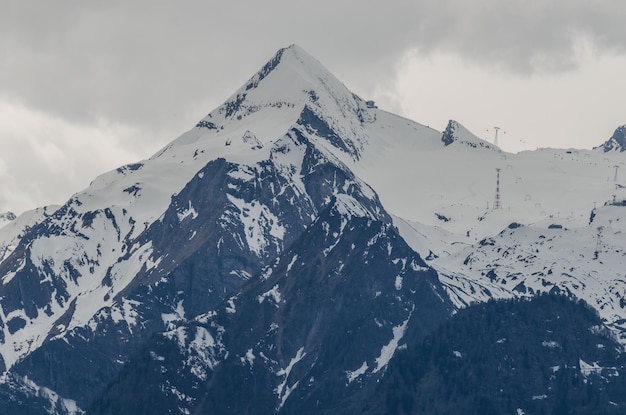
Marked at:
<point>617,142</point>
<point>457,133</point>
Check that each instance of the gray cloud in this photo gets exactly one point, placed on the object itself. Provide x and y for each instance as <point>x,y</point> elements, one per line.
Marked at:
<point>524,36</point>
<point>155,67</point>
<point>146,61</point>
<point>44,160</point>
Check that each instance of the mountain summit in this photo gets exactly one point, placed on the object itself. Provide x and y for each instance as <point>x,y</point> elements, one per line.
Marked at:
<point>291,88</point>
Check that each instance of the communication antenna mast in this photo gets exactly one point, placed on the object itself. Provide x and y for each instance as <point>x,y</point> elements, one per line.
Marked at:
<point>496,202</point>
<point>495,140</point>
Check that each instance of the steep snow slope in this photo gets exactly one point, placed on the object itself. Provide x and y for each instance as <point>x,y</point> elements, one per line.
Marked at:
<point>73,252</point>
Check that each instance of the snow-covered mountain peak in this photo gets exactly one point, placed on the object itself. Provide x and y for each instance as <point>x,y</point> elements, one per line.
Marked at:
<point>297,195</point>
<point>455,132</point>
<point>293,76</point>
<point>291,88</point>
<point>617,142</point>
<point>290,59</point>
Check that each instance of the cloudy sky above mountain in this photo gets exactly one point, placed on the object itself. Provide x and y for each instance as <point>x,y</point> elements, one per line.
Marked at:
<point>88,86</point>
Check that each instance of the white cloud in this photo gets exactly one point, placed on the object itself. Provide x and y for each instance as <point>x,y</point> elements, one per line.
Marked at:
<point>577,109</point>
<point>45,159</point>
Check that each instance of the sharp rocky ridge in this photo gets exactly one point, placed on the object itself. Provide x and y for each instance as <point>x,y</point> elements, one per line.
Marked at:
<point>617,142</point>
<point>294,240</point>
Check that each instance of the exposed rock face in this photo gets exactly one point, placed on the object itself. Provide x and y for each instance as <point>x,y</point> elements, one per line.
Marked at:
<point>617,142</point>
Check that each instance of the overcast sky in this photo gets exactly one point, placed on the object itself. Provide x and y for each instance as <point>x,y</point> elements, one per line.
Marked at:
<point>88,86</point>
